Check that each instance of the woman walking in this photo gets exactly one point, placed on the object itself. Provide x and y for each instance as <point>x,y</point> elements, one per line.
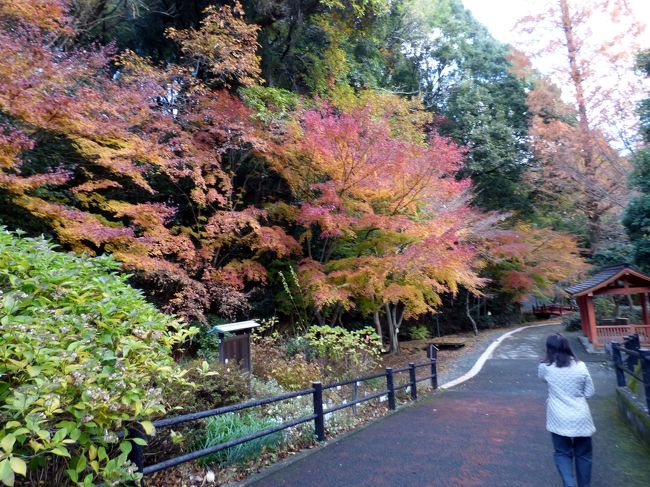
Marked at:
<point>567,414</point>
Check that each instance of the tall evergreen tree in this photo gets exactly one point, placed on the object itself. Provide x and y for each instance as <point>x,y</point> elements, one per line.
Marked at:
<point>465,76</point>
<point>637,217</point>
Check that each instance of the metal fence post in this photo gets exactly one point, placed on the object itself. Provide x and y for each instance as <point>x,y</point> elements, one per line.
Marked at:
<point>136,455</point>
<point>432,354</point>
<point>618,364</point>
<point>414,384</point>
<point>391,388</point>
<point>319,420</point>
<point>645,370</point>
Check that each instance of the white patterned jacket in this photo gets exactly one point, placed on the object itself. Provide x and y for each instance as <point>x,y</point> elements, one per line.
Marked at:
<point>567,411</point>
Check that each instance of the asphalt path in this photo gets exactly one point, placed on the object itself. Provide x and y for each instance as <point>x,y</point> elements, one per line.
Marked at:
<point>487,431</point>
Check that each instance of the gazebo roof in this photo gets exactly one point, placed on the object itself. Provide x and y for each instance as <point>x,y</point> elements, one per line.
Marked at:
<point>607,276</point>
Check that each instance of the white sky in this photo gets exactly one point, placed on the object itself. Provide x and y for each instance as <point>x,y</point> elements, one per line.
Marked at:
<point>500,16</point>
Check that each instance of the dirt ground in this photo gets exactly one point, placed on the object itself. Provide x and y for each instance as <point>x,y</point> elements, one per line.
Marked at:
<point>416,350</point>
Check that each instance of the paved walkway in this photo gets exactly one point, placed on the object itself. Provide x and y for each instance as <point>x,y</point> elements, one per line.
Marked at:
<point>488,431</point>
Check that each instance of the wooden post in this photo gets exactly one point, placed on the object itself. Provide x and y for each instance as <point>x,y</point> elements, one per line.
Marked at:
<point>591,320</point>
<point>432,354</point>
<point>633,343</point>
<point>582,307</point>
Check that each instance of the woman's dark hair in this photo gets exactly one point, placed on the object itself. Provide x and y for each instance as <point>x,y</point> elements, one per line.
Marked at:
<point>558,351</point>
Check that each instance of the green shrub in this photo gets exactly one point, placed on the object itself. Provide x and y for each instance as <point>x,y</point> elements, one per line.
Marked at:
<point>207,344</point>
<point>231,426</point>
<point>269,103</point>
<point>209,386</point>
<point>419,332</point>
<point>572,322</point>
<point>82,355</point>
<point>343,351</point>
<point>299,345</point>
<point>270,362</point>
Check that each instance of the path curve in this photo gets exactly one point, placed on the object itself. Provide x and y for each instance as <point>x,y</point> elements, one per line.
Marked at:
<point>486,431</point>
<point>485,356</point>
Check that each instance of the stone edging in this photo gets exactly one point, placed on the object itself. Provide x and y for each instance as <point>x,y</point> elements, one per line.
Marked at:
<point>634,413</point>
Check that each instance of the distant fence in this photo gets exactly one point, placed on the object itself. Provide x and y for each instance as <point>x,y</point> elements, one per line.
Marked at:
<point>634,355</point>
<point>318,416</point>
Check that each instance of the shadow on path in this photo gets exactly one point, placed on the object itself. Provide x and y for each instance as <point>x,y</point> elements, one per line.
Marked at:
<point>488,431</point>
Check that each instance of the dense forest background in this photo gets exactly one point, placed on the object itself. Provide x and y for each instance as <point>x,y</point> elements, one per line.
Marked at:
<point>368,162</point>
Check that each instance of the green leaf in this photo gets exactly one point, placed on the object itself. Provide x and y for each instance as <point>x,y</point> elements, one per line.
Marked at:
<point>74,476</point>
<point>7,443</point>
<point>33,371</point>
<point>18,465</point>
<point>126,447</point>
<point>6,473</point>
<point>148,427</point>
<point>101,453</point>
<point>60,451</point>
<point>139,441</point>
<point>81,464</point>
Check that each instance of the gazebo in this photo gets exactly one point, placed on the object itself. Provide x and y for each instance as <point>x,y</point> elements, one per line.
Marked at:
<point>620,279</point>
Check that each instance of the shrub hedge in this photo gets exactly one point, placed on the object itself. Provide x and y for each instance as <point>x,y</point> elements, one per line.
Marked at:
<point>82,355</point>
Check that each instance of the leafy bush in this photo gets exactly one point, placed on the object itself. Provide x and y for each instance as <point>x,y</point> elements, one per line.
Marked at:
<point>343,351</point>
<point>271,362</point>
<point>419,333</point>
<point>572,322</point>
<point>606,308</point>
<point>209,386</point>
<point>82,356</point>
<point>231,426</point>
<point>207,344</point>
<point>269,103</point>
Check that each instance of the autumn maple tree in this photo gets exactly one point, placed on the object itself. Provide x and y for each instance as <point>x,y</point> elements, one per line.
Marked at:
<point>384,219</point>
<point>199,194</point>
<point>526,260</point>
<point>139,162</point>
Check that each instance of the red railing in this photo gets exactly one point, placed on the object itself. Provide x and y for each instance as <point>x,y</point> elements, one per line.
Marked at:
<point>611,333</point>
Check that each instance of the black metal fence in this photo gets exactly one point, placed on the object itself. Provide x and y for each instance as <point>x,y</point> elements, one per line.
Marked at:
<point>634,355</point>
<point>318,416</point>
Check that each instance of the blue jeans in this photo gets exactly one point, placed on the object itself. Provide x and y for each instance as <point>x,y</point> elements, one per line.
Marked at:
<point>566,450</point>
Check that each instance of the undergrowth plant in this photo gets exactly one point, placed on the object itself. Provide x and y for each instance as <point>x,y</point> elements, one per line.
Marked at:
<point>419,332</point>
<point>297,297</point>
<point>231,426</point>
<point>345,352</point>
